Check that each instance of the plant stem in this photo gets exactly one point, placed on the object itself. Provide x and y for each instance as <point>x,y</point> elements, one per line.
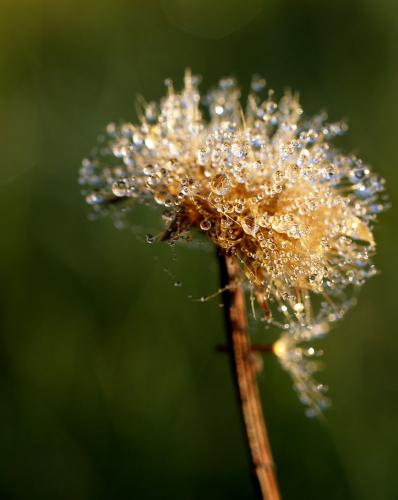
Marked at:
<point>244,373</point>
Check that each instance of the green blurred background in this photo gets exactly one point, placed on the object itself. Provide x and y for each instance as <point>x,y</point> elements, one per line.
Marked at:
<point>109,384</point>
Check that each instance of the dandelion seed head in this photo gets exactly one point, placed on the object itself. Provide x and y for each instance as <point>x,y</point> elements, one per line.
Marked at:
<point>263,183</point>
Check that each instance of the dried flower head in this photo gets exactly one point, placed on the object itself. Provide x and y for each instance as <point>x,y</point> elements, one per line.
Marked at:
<point>263,184</point>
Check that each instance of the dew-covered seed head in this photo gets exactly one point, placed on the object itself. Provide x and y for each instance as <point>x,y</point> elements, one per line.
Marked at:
<point>264,184</point>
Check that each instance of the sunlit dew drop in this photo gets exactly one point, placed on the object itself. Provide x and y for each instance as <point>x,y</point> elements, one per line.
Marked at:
<point>148,169</point>
<point>271,107</point>
<point>120,188</point>
<point>220,185</point>
<point>299,307</point>
<point>239,207</point>
<point>258,83</point>
<point>111,128</point>
<point>303,158</point>
<point>151,112</point>
<point>168,82</point>
<point>249,225</point>
<point>150,238</point>
<point>201,156</point>
<point>294,232</point>
<point>238,151</point>
<point>94,199</point>
<point>205,225</point>
<point>311,412</point>
<point>150,142</point>
<point>138,139</point>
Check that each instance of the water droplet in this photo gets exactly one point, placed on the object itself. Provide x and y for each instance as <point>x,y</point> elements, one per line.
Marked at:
<point>239,207</point>
<point>299,307</point>
<point>303,159</point>
<point>148,169</point>
<point>95,199</point>
<point>111,128</point>
<point>220,185</point>
<point>311,413</point>
<point>150,238</point>
<point>138,139</point>
<point>258,83</point>
<point>227,83</point>
<point>239,151</point>
<point>294,232</point>
<point>150,142</point>
<point>271,107</point>
<point>168,82</point>
<point>263,220</point>
<point>120,188</point>
<point>205,225</point>
<point>202,156</point>
<point>151,112</point>
<point>249,225</point>
<point>160,197</point>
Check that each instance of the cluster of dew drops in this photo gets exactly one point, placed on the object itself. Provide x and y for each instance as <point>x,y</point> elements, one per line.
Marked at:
<point>264,184</point>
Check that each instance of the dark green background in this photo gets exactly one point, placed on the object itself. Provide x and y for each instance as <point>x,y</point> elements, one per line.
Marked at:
<point>109,384</point>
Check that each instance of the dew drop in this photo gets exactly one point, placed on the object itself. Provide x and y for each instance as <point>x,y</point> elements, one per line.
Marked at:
<point>249,225</point>
<point>150,238</point>
<point>111,128</point>
<point>263,220</point>
<point>205,225</point>
<point>271,107</point>
<point>311,412</point>
<point>299,307</point>
<point>201,156</point>
<point>120,188</point>
<point>148,169</point>
<point>258,83</point>
<point>95,199</point>
<point>239,207</point>
<point>220,185</point>
<point>160,197</point>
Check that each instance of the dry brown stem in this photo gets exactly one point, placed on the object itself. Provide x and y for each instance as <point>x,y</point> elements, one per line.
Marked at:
<point>244,372</point>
